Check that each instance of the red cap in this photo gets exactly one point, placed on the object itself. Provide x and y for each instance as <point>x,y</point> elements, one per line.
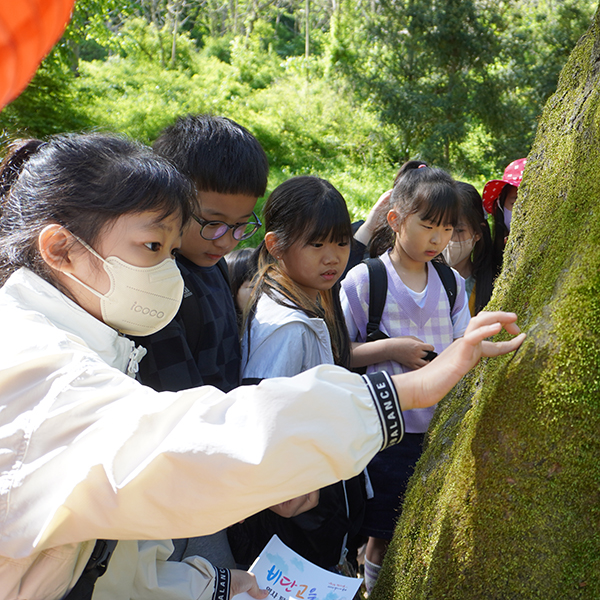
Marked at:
<point>513,174</point>
<point>28,30</point>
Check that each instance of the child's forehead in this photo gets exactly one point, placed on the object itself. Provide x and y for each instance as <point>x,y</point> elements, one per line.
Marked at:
<point>222,206</point>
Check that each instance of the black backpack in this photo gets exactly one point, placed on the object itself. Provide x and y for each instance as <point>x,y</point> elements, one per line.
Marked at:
<point>378,285</point>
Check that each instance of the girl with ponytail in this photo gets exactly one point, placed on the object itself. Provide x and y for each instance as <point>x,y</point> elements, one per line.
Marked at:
<point>294,322</point>
<point>419,320</point>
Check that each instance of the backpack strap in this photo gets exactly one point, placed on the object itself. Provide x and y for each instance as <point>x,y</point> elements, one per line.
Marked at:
<point>448,281</point>
<point>96,567</point>
<point>378,285</point>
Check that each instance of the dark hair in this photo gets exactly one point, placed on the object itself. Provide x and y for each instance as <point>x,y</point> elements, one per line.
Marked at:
<point>423,190</point>
<point>409,166</point>
<point>242,265</point>
<point>217,153</point>
<point>471,210</point>
<point>84,183</point>
<point>309,209</point>
<point>500,229</point>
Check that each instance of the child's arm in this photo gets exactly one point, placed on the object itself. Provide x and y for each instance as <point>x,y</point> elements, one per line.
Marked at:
<point>426,386</point>
<point>376,217</point>
<point>409,351</point>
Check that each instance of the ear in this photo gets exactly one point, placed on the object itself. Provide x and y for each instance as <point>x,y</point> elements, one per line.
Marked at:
<point>393,220</point>
<point>271,243</point>
<point>55,244</point>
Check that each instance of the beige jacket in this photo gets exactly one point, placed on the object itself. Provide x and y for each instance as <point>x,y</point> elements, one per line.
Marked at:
<point>86,452</point>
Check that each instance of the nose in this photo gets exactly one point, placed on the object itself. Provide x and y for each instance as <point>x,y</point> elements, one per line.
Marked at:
<point>332,257</point>
<point>436,237</point>
<point>225,241</point>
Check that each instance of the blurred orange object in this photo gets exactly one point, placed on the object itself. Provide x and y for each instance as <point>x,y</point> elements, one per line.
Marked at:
<point>28,30</point>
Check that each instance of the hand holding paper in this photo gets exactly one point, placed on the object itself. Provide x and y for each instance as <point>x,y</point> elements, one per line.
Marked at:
<point>286,575</point>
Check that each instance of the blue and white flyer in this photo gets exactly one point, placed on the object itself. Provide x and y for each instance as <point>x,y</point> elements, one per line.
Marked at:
<point>288,576</point>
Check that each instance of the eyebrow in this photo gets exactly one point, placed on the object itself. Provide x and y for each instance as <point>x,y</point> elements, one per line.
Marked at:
<point>159,223</point>
<point>213,213</point>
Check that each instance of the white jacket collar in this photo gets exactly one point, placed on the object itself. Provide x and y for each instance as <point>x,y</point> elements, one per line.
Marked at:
<point>29,292</point>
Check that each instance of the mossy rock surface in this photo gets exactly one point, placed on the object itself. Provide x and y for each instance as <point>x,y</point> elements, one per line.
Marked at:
<point>505,502</point>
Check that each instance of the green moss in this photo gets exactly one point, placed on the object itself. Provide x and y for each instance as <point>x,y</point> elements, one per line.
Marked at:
<point>505,502</point>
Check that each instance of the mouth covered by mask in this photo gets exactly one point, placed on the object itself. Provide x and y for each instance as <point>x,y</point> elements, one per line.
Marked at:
<point>455,252</point>
<point>141,300</point>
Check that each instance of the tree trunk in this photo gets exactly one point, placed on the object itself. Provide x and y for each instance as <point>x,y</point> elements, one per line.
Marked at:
<point>505,501</point>
<point>307,29</point>
<point>174,38</point>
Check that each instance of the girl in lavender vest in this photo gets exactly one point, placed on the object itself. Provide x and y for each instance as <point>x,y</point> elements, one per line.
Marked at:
<point>416,317</point>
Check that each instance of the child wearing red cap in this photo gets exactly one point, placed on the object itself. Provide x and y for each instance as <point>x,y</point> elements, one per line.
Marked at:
<point>499,196</point>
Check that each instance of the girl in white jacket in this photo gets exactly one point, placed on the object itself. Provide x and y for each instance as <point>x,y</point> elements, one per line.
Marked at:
<point>87,228</point>
<point>295,323</point>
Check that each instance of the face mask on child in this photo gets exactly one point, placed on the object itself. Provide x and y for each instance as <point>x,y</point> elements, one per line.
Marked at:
<point>456,252</point>
<point>141,300</point>
<point>507,217</point>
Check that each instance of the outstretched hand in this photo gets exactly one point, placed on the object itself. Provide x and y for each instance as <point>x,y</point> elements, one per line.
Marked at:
<point>425,387</point>
<point>487,324</point>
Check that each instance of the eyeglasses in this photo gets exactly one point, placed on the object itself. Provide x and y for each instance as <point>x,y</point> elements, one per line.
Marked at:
<point>213,230</point>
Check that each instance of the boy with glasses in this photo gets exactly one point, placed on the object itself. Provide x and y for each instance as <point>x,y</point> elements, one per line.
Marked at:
<point>229,169</point>
<point>201,345</point>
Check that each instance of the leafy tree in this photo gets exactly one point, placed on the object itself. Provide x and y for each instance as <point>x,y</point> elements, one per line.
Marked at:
<point>536,43</point>
<point>457,82</point>
<point>462,81</point>
<point>426,68</point>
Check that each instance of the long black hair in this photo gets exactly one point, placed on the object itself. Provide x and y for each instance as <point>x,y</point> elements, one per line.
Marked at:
<point>418,189</point>
<point>84,183</point>
<point>307,209</point>
<point>471,210</point>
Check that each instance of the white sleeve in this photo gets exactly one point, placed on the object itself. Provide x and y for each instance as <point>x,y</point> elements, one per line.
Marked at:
<point>117,460</point>
<point>461,315</point>
<point>141,571</point>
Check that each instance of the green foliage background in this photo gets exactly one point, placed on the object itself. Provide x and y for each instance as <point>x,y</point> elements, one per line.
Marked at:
<point>458,83</point>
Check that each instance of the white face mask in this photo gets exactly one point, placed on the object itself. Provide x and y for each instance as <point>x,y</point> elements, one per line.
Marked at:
<point>455,252</point>
<point>141,300</point>
<point>507,217</point>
